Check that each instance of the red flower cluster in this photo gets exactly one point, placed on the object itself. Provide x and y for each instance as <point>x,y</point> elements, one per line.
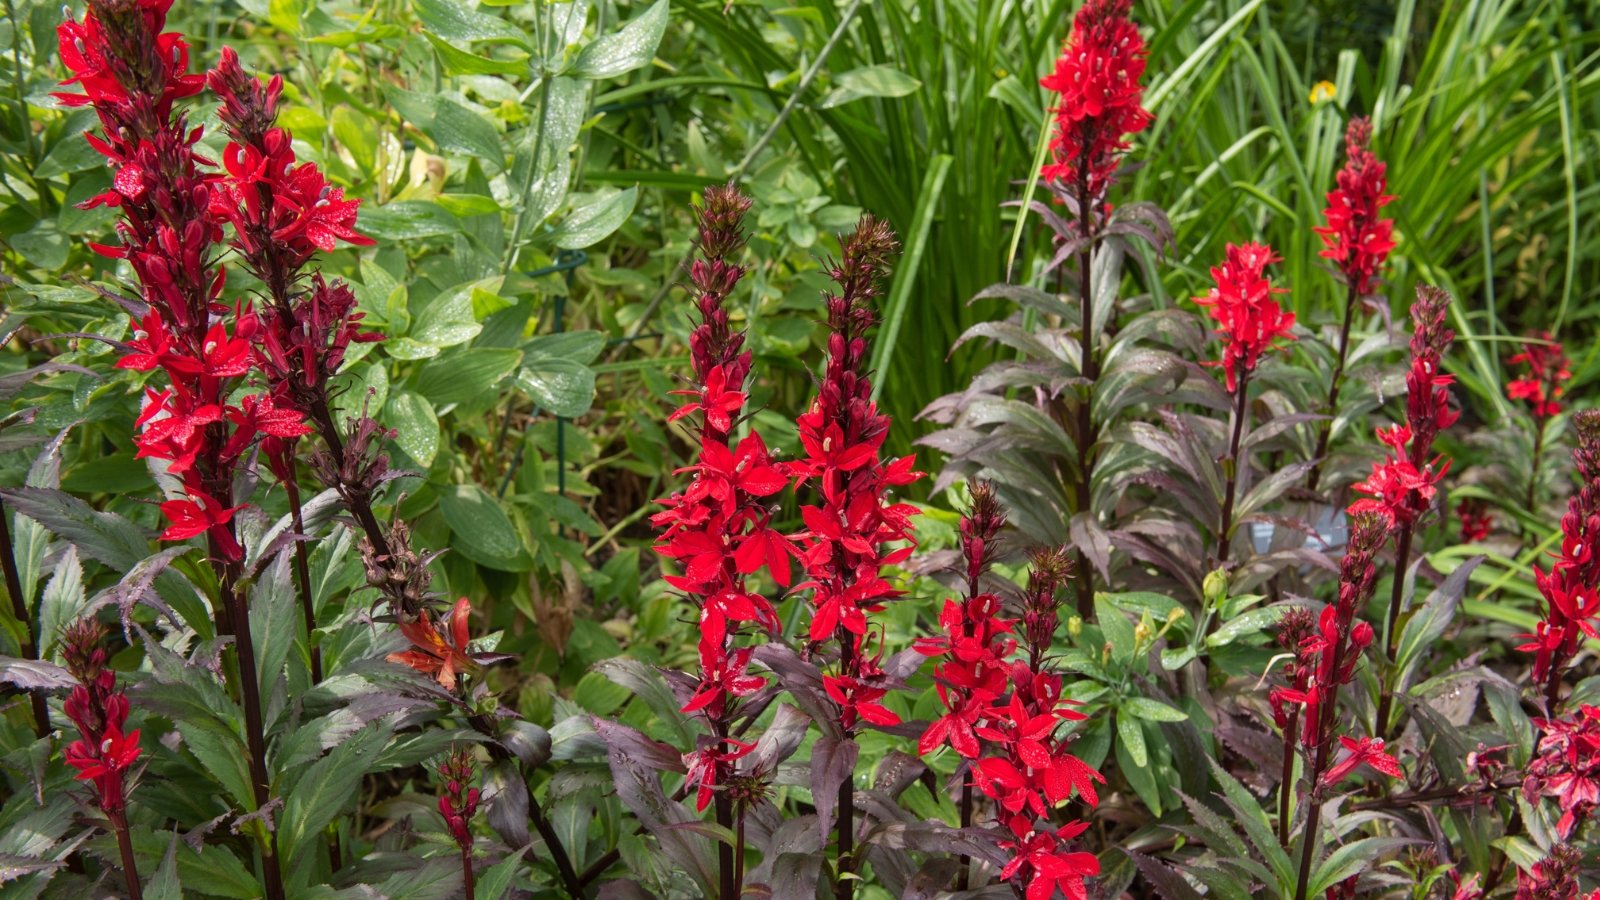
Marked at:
<point>1567,767</point>
<point>282,213</point>
<point>1326,658</point>
<point>719,528</point>
<point>1097,76</point>
<point>120,57</point>
<point>844,546</point>
<point>972,673</point>
<point>1017,757</point>
<point>104,751</point>
<point>1571,601</point>
<point>1357,240</point>
<point>1243,307</point>
<point>1475,522</point>
<point>1543,384</point>
<point>1402,485</point>
<point>1030,769</point>
<point>458,803</point>
<point>1555,877</point>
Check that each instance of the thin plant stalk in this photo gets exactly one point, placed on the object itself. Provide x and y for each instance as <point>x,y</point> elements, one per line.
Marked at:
<point>1240,410</point>
<point>1332,406</point>
<point>468,877</point>
<point>255,735</point>
<point>964,879</point>
<point>1391,641</point>
<point>130,866</point>
<point>1286,784</point>
<point>302,571</point>
<point>29,648</point>
<point>844,885</point>
<point>1533,470</point>
<point>1090,365</point>
<point>727,878</point>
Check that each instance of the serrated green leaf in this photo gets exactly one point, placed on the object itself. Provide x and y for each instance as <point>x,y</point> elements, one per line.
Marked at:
<point>325,788</point>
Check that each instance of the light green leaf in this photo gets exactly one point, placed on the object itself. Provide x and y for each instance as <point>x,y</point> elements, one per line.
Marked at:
<point>416,427</point>
<point>454,20</point>
<point>464,374</point>
<point>1130,735</point>
<point>1252,622</point>
<point>870,81</point>
<point>459,62</point>
<point>563,387</point>
<point>1152,710</point>
<point>1117,629</point>
<point>483,531</point>
<point>325,788</point>
<point>578,346</point>
<point>447,320</point>
<point>589,224</point>
<point>631,47</point>
<point>452,126</point>
<point>407,220</point>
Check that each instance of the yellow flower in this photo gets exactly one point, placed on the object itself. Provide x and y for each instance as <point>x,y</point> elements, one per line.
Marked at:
<point>1323,91</point>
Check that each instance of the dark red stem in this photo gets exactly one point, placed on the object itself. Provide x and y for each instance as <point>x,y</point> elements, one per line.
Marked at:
<point>1240,410</point>
<point>1333,389</point>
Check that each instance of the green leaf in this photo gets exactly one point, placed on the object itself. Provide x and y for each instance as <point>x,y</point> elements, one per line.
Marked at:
<point>1117,629</point>
<point>1130,735</point>
<point>357,134</point>
<point>594,222</point>
<point>467,205</point>
<point>496,881</point>
<point>1257,827</point>
<point>1152,710</point>
<point>163,885</point>
<point>1352,859</point>
<point>599,695</point>
<point>416,427</point>
<point>452,126</point>
<point>459,62</point>
<point>464,375</point>
<point>1252,622</point>
<point>1137,768</point>
<point>563,387</point>
<point>322,792</point>
<point>578,346</point>
<point>483,531</point>
<point>447,320</point>
<point>407,220</point>
<point>870,81</point>
<point>454,20</point>
<point>43,245</point>
<point>630,47</point>
<point>274,620</point>
<point>218,873</point>
<point>1159,606</point>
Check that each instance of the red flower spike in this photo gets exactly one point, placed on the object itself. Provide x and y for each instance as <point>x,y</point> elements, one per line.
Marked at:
<point>1566,766</point>
<point>1097,78</point>
<point>104,751</point>
<point>1366,751</point>
<point>1542,385</point>
<point>458,802</point>
<point>1242,305</point>
<point>1358,240</point>
<point>1569,588</point>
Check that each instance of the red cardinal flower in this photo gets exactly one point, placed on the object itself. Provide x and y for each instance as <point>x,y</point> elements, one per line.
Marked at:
<point>458,802</point>
<point>708,765</point>
<point>1542,385</point>
<point>441,655</point>
<point>104,751</point>
<point>1357,239</point>
<point>1570,587</point>
<point>1366,751</point>
<point>1097,78</point>
<point>1242,305</point>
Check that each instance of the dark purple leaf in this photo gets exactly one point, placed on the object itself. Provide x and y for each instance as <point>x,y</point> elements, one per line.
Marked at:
<point>34,674</point>
<point>833,764</point>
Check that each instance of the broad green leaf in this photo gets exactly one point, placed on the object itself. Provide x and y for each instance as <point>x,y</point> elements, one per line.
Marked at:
<point>452,126</point>
<point>416,427</point>
<point>455,20</point>
<point>870,81</point>
<point>467,205</point>
<point>1117,629</point>
<point>630,47</point>
<point>1137,768</point>
<point>43,245</point>
<point>447,320</point>
<point>274,619</point>
<point>594,222</point>
<point>599,695</point>
<point>463,375</point>
<point>460,62</point>
<point>407,220</point>
<point>578,346</point>
<point>1252,622</point>
<point>496,881</point>
<point>163,885</point>
<point>1152,710</point>
<point>483,531</point>
<point>366,388</point>
<point>1130,735</point>
<point>561,386</point>
<point>359,135</point>
<point>325,788</point>
<point>216,873</point>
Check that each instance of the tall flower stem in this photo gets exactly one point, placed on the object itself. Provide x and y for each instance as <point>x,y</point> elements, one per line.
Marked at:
<point>1391,641</point>
<point>1090,366</point>
<point>1533,470</point>
<point>130,866</point>
<point>1241,408</point>
<point>255,737</point>
<point>1286,784</point>
<point>964,879</point>
<point>844,885</point>
<point>1332,405</point>
<point>302,571</point>
<point>29,648</point>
